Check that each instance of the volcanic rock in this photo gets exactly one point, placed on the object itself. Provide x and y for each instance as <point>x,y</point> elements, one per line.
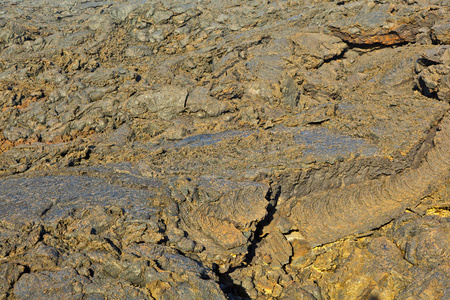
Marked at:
<point>215,149</point>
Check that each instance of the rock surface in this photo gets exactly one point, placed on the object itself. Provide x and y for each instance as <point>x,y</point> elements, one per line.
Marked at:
<point>224,150</point>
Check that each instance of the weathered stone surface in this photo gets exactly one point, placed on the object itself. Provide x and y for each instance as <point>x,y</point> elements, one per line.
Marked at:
<point>276,248</point>
<point>138,51</point>
<point>316,48</point>
<point>199,101</point>
<point>394,191</point>
<point>224,212</point>
<point>212,149</point>
<point>296,292</point>
<point>424,241</point>
<point>440,32</point>
<point>386,272</point>
<point>65,284</point>
<point>433,284</point>
<point>380,23</point>
<point>104,242</point>
<point>167,103</point>
<point>54,197</point>
<point>433,78</point>
<point>9,274</point>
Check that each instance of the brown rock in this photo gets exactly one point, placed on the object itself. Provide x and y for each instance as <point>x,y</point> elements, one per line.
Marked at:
<point>265,285</point>
<point>315,48</point>
<point>277,247</point>
<point>440,32</point>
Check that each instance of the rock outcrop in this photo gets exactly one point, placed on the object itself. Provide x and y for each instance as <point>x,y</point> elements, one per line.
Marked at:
<point>224,150</point>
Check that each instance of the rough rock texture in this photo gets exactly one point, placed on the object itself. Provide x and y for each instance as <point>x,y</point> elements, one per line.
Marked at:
<point>224,150</point>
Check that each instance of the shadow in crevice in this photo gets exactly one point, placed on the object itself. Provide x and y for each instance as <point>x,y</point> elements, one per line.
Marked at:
<point>235,291</point>
<point>425,90</point>
<point>232,290</point>
<point>272,196</point>
<point>374,46</point>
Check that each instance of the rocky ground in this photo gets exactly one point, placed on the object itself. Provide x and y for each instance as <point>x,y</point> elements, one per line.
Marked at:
<point>224,149</point>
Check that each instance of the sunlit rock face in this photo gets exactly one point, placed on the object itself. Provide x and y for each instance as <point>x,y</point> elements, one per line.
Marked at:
<point>224,149</point>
